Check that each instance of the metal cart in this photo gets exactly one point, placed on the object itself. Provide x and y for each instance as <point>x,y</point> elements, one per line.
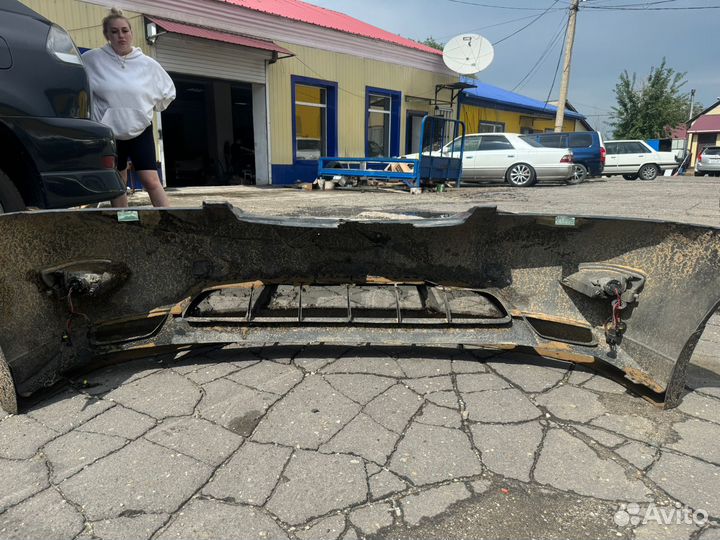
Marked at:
<point>442,143</point>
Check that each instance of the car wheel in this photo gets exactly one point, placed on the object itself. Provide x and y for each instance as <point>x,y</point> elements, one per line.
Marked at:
<point>580,174</point>
<point>10,198</point>
<point>630,176</point>
<point>520,175</point>
<point>648,172</point>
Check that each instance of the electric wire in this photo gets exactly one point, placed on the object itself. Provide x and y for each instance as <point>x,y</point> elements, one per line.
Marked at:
<point>99,25</point>
<point>495,6</point>
<point>557,67</point>
<point>644,7</point>
<point>528,24</point>
<point>653,2</point>
<point>502,23</point>
<point>323,77</point>
<point>551,45</point>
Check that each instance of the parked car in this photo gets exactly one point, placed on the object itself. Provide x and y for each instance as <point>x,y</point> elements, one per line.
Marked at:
<point>508,157</point>
<point>636,159</point>
<point>52,155</point>
<point>708,162</point>
<point>587,148</point>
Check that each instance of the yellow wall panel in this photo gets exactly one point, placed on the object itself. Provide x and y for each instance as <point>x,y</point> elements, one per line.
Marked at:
<point>353,75</point>
<point>84,21</point>
<point>514,121</point>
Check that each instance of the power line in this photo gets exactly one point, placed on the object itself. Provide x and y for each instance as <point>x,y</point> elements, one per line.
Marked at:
<point>495,6</point>
<point>349,92</point>
<point>488,26</point>
<point>557,67</point>
<point>644,7</point>
<point>654,2</point>
<point>528,24</point>
<point>323,77</point>
<point>136,17</point>
<point>551,44</point>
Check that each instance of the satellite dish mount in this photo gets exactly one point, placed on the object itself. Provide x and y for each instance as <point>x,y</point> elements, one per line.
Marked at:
<point>467,54</point>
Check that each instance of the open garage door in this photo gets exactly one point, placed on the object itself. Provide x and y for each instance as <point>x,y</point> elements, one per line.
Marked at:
<point>216,131</point>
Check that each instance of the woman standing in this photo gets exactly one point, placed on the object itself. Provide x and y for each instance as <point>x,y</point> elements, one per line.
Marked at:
<point>127,86</point>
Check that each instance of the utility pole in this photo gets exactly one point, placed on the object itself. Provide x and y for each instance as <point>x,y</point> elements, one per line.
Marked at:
<point>686,155</point>
<point>569,40</point>
<point>692,104</point>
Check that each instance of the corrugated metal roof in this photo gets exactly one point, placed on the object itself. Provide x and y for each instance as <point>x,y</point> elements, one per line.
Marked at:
<point>216,35</point>
<point>495,94</point>
<point>297,10</point>
<point>679,132</point>
<point>709,123</point>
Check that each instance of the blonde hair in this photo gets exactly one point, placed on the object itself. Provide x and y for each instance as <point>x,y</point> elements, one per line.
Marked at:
<point>115,13</point>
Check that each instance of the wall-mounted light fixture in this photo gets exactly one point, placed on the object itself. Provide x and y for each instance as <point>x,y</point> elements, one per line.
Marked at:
<point>151,33</point>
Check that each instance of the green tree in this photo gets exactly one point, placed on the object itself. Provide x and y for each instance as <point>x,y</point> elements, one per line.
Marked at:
<point>432,42</point>
<point>650,109</point>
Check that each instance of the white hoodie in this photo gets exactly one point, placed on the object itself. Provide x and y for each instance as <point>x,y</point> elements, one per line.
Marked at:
<point>126,89</point>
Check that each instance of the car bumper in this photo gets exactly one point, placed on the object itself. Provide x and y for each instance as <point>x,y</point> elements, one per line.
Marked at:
<point>707,167</point>
<point>68,156</point>
<point>555,172</point>
<point>65,189</point>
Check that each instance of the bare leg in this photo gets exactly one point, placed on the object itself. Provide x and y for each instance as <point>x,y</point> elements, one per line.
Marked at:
<point>121,201</point>
<point>151,183</point>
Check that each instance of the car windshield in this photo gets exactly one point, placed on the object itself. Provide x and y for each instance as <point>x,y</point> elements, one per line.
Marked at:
<point>715,151</point>
<point>531,141</point>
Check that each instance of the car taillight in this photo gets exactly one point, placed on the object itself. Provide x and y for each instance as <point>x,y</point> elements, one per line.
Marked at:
<point>602,154</point>
<point>700,156</point>
<point>108,162</point>
<point>567,158</point>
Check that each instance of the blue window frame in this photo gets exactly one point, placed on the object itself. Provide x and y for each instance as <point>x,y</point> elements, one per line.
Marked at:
<point>314,120</point>
<point>382,122</point>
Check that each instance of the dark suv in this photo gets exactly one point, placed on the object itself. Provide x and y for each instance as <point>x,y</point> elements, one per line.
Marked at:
<point>587,147</point>
<point>51,154</point>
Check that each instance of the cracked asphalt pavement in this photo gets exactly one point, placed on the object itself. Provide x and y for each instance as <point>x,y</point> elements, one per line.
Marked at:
<point>348,443</point>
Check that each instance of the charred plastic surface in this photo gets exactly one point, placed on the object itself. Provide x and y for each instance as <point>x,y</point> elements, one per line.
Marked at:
<point>483,277</point>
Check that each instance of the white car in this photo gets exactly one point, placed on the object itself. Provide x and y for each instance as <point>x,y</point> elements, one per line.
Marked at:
<point>505,156</point>
<point>708,161</point>
<point>636,159</point>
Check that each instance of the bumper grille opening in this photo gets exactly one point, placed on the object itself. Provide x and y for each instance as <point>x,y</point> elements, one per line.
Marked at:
<point>127,329</point>
<point>367,303</point>
<point>557,331</point>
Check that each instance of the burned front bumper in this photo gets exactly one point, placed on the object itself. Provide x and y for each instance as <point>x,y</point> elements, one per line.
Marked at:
<point>630,294</point>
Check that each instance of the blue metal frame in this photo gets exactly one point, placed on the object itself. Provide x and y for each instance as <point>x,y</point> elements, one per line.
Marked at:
<point>395,100</point>
<point>330,109</point>
<point>426,167</point>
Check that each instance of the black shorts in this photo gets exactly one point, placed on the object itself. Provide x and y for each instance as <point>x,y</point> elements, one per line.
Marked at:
<point>140,150</point>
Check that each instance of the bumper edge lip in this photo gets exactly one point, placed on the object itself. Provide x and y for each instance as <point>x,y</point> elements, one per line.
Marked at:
<point>75,188</point>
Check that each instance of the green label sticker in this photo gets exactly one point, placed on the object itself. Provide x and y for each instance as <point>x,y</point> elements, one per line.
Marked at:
<point>565,221</point>
<point>128,215</point>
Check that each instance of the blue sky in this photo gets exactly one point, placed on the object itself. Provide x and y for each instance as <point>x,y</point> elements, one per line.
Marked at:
<point>606,42</point>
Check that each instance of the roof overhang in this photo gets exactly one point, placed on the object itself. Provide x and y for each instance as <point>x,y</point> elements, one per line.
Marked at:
<point>706,124</point>
<point>476,101</point>
<point>218,35</point>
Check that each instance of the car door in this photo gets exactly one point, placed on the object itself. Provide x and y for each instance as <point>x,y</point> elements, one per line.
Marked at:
<point>495,154</point>
<point>470,151</point>
<point>612,155</point>
<point>631,157</point>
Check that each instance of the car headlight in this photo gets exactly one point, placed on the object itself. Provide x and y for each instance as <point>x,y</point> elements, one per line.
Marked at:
<point>60,45</point>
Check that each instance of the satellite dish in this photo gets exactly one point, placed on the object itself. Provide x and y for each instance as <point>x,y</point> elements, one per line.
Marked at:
<point>468,53</point>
